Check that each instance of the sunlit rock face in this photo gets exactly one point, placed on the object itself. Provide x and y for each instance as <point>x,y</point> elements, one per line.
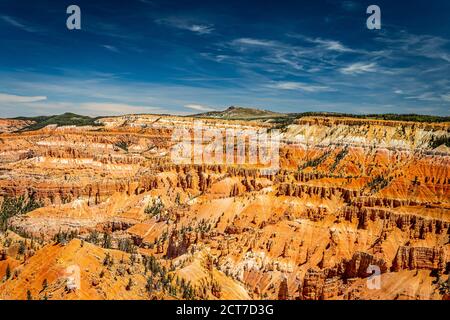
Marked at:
<point>349,195</point>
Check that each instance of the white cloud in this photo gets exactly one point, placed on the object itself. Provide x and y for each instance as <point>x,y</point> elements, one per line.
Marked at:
<point>428,46</point>
<point>426,96</point>
<point>331,45</point>
<point>446,97</point>
<point>110,48</point>
<point>398,91</point>
<point>87,108</point>
<point>198,107</point>
<point>299,56</point>
<point>200,28</point>
<point>445,56</point>
<point>97,108</point>
<point>13,22</point>
<point>299,86</point>
<point>254,42</point>
<point>187,25</point>
<point>359,67</point>
<point>10,98</point>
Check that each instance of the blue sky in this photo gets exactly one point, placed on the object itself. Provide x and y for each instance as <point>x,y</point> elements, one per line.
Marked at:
<point>186,57</point>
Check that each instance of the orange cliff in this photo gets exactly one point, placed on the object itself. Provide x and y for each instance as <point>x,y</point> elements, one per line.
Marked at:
<point>350,193</point>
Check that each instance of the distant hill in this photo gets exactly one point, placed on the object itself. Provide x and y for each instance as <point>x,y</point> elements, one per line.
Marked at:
<point>280,120</point>
<point>241,113</point>
<point>65,119</point>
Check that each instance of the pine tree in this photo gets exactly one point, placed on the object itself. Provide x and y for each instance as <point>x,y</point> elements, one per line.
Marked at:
<point>44,284</point>
<point>108,261</point>
<point>22,247</point>
<point>129,285</point>
<point>8,272</point>
<point>107,241</point>
<point>149,285</point>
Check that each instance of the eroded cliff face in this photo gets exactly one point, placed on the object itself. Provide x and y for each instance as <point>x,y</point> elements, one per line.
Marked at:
<point>350,195</point>
<point>11,125</point>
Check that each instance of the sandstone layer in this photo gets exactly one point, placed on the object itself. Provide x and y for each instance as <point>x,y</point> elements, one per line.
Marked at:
<point>350,195</point>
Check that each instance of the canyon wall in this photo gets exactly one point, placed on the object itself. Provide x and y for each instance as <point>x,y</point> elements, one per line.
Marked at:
<point>350,195</point>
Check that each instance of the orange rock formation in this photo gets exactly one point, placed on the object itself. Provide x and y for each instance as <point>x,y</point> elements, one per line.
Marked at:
<point>350,193</point>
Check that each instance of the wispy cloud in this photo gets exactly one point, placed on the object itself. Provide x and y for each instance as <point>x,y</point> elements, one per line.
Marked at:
<point>198,107</point>
<point>274,56</point>
<point>254,42</point>
<point>288,57</point>
<point>406,44</point>
<point>16,23</point>
<point>110,48</point>
<point>186,24</point>
<point>95,108</point>
<point>446,97</point>
<point>10,98</point>
<point>426,96</point>
<point>331,45</point>
<point>114,31</point>
<point>87,108</point>
<point>350,6</point>
<point>359,67</point>
<point>200,28</point>
<point>299,86</point>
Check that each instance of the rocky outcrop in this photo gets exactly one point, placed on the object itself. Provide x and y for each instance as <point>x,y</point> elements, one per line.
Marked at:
<point>178,244</point>
<point>283,290</point>
<point>302,190</point>
<point>411,258</point>
<point>313,284</point>
<point>358,266</point>
<point>418,227</point>
<point>11,125</point>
